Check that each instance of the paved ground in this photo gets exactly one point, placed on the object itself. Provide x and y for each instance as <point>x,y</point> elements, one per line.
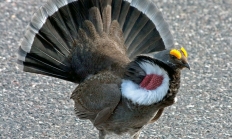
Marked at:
<point>34,106</point>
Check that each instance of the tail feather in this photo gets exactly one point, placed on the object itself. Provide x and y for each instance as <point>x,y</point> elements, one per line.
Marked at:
<point>78,16</point>
<point>104,3</point>
<point>116,8</point>
<point>158,43</point>
<point>95,18</point>
<point>150,25</point>
<point>90,29</point>
<point>156,17</point>
<point>106,17</point>
<point>55,38</point>
<point>35,69</point>
<point>28,39</point>
<point>68,18</point>
<point>138,33</point>
<point>133,15</point>
<point>143,36</point>
<point>43,51</point>
<point>123,13</point>
<point>62,27</point>
<point>41,65</point>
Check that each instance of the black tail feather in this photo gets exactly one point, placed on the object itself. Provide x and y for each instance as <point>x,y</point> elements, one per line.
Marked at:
<point>123,13</point>
<point>116,8</point>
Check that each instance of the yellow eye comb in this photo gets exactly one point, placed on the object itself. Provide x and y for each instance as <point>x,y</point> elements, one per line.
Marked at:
<point>184,51</point>
<point>175,53</point>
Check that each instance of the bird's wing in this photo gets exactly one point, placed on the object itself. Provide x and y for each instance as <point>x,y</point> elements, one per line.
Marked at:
<point>71,39</point>
<point>97,102</point>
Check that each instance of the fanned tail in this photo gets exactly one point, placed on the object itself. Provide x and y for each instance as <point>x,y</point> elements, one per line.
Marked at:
<point>60,41</point>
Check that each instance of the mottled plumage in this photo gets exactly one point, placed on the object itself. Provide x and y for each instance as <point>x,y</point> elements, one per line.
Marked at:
<point>118,51</point>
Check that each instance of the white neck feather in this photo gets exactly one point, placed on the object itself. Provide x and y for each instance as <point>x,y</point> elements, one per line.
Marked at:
<point>142,96</point>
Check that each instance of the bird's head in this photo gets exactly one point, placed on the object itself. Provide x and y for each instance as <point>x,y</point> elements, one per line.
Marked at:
<point>174,58</point>
<point>169,60</point>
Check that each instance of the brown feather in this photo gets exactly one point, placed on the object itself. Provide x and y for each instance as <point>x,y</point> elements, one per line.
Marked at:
<point>95,18</point>
<point>106,16</point>
<point>93,99</point>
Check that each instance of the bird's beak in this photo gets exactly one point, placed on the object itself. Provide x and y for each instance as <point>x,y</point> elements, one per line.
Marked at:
<point>186,65</point>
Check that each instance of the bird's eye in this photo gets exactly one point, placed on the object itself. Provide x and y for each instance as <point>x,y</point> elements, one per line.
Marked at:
<point>173,57</point>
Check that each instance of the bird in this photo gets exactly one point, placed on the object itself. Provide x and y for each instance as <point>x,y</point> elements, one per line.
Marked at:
<point>120,53</point>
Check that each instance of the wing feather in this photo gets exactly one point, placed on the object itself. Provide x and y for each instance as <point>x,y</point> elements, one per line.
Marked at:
<point>98,101</point>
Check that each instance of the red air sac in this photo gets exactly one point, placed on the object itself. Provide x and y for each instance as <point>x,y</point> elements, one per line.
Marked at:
<point>151,81</point>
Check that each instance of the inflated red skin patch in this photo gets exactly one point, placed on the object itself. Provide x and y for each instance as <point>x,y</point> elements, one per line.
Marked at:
<point>151,81</point>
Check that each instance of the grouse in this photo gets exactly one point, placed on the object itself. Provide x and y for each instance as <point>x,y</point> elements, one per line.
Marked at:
<point>119,52</point>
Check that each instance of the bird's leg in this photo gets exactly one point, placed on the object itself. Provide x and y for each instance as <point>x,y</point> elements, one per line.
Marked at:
<point>168,102</point>
<point>102,134</point>
<point>164,104</point>
<point>136,135</point>
<point>157,116</point>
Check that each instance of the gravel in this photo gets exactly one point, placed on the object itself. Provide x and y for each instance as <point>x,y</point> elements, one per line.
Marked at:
<point>35,106</point>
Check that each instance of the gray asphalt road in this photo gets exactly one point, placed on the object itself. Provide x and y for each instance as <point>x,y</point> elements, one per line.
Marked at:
<point>35,106</point>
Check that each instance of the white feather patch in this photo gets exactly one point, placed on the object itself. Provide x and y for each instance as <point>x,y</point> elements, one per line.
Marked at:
<point>142,96</point>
